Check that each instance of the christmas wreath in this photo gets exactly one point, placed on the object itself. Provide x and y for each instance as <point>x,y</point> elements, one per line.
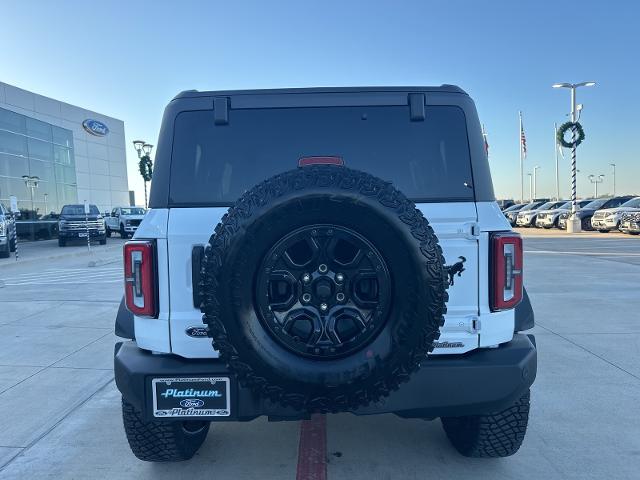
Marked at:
<point>570,126</point>
<point>146,168</point>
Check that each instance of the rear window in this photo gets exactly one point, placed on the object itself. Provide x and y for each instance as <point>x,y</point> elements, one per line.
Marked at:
<point>215,164</point>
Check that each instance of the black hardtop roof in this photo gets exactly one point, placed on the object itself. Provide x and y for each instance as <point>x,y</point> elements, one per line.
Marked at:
<point>279,91</point>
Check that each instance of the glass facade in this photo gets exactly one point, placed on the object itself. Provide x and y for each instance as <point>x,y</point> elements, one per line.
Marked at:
<point>36,165</point>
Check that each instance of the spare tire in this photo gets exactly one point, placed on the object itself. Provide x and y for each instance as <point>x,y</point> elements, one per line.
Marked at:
<point>323,288</point>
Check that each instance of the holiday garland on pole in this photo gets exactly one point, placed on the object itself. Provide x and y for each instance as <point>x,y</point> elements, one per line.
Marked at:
<point>576,128</point>
<point>146,168</point>
<point>146,171</point>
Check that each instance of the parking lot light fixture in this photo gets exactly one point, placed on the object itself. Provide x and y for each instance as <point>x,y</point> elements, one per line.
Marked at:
<point>614,178</point>
<point>596,180</point>
<point>573,223</point>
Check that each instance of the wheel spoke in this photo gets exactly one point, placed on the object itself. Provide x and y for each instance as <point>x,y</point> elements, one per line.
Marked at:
<point>323,291</point>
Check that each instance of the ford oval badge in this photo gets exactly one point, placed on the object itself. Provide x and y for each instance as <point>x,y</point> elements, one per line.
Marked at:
<point>94,127</point>
<point>191,403</point>
<point>197,332</point>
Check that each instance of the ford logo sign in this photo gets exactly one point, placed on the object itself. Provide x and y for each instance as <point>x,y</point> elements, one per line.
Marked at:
<point>94,127</point>
<point>191,403</point>
<point>197,332</point>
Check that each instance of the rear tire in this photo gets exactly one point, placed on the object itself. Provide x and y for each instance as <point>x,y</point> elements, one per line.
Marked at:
<point>103,241</point>
<point>6,251</point>
<point>62,242</point>
<point>162,441</point>
<point>490,436</point>
<point>123,234</point>
<point>108,232</point>
<point>603,231</point>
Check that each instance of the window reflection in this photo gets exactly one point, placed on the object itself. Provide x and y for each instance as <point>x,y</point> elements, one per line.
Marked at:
<point>31,148</point>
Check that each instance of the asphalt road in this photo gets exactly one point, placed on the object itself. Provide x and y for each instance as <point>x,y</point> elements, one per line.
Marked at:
<point>61,412</point>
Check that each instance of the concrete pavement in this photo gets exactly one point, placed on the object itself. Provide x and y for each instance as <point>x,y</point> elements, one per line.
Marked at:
<point>55,362</point>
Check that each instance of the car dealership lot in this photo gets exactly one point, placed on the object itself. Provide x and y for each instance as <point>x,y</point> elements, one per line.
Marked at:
<point>62,413</point>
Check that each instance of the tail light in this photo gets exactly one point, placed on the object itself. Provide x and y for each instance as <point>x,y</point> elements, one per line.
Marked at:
<point>506,270</point>
<point>140,278</point>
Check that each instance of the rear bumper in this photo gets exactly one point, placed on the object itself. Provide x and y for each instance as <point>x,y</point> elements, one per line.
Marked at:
<point>481,381</point>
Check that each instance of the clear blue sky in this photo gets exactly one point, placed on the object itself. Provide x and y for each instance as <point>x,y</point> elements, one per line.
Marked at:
<point>128,59</point>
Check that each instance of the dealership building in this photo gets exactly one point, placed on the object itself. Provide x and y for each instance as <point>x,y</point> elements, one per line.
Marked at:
<point>53,153</point>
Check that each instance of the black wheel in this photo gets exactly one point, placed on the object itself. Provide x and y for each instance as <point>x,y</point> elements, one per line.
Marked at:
<point>162,441</point>
<point>123,234</point>
<point>337,289</point>
<point>5,252</point>
<point>603,231</point>
<point>108,232</point>
<point>495,435</point>
<point>62,242</point>
<point>103,241</point>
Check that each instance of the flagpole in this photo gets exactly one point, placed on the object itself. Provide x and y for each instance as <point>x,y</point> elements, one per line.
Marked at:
<point>521,166</point>
<point>555,142</point>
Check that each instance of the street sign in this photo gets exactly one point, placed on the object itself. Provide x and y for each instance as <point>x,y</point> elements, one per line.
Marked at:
<point>13,203</point>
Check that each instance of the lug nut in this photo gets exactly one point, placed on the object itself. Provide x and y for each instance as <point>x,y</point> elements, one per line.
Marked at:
<point>323,268</point>
<point>340,296</point>
<point>306,278</point>
<point>323,307</point>
<point>306,298</point>
<point>339,278</point>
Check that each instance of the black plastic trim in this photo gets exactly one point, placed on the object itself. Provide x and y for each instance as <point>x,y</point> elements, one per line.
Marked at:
<point>124,322</point>
<point>524,316</point>
<point>197,254</point>
<point>482,381</point>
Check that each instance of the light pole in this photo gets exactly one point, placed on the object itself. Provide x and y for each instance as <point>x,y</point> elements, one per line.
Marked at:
<point>535,181</point>
<point>530,187</point>
<point>573,222</point>
<point>614,178</point>
<point>31,183</point>
<point>144,150</point>
<point>556,148</point>
<point>596,180</point>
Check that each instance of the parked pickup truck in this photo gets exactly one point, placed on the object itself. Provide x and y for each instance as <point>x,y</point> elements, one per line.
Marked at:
<point>124,220</point>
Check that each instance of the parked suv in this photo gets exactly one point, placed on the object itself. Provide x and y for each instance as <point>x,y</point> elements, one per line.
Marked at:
<point>512,216</point>
<point>585,213</point>
<point>608,218</point>
<point>549,218</point>
<point>527,218</point>
<point>630,223</point>
<point>7,232</point>
<point>74,224</point>
<point>511,213</point>
<point>323,250</point>
<point>124,220</point>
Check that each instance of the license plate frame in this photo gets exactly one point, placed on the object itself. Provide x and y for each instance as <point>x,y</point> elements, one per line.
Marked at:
<point>83,234</point>
<point>188,397</point>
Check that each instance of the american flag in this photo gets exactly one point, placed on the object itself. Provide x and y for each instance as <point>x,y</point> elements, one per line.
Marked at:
<point>523,139</point>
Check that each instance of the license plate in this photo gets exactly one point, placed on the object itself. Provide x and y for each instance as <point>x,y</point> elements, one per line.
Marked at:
<point>191,397</point>
<point>82,234</point>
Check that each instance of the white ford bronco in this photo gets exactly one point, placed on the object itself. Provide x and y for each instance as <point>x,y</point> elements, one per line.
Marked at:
<point>321,251</point>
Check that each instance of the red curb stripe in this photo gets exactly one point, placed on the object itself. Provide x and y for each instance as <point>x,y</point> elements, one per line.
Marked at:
<point>312,450</point>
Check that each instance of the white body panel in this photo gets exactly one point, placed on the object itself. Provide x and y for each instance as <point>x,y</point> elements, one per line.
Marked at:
<point>462,229</point>
<point>153,333</point>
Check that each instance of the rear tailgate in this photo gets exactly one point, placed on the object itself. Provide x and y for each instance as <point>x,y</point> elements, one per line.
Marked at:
<point>454,224</point>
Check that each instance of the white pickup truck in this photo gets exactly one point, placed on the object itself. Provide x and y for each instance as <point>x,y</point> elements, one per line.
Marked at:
<point>124,220</point>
